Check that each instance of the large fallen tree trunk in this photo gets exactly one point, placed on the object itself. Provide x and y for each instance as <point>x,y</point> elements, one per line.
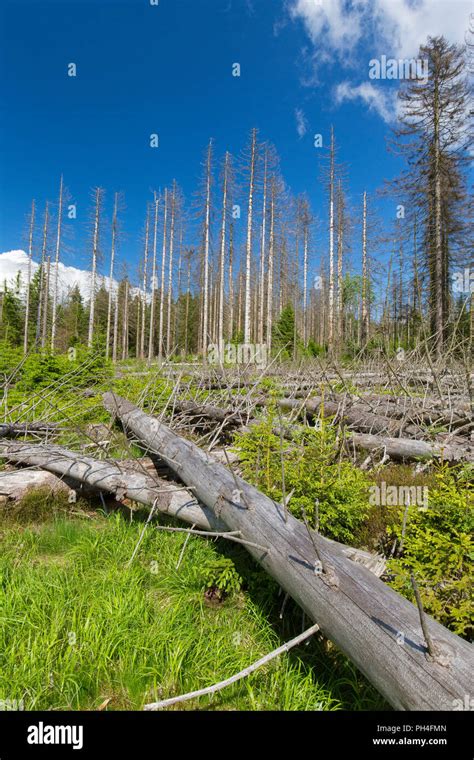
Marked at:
<point>123,481</point>
<point>374,626</point>
<point>15,429</point>
<point>405,448</point>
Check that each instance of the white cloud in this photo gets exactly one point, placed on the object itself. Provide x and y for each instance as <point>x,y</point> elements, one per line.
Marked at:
<point>390,27</point>
<point>13,262</point>
<point>301,122</point>
<point>381,101</point>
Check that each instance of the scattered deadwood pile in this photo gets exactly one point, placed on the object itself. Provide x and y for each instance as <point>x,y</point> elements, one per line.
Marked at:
<point>355,609</point>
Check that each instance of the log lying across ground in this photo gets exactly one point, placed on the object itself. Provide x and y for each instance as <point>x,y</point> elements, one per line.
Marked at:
<point>405,448</point>
<point>125,482</point>
<point>374,626</point>
<point>16,429</point>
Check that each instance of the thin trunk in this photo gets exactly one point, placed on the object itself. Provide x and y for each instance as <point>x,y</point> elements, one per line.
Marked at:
<point>46,304</point>
<point>42,276</point>
<point>207,233</point>
<point>365,278</point>
<point>271,255</point>
<point>153,284</point>
<point>331,247</point>
<point>111,278</point>
<point>162,290</point>
<point>170,272</point>
<point>95,248</point>
<point>220,329</point>
<point>56,266</point>
<point>145,283</point>
<point>261,305</point>
<point>28,281</point>
<point>248,254</point>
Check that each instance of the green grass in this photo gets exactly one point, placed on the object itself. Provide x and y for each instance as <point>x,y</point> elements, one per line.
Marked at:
<point>78,627</point>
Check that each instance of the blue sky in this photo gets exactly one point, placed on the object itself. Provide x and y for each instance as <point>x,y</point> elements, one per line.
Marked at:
<point>167,69</point>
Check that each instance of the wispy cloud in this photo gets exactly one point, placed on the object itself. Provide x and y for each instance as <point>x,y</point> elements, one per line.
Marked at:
<point>393,27</point>
<point>301,122</point>
<point>381,101</point>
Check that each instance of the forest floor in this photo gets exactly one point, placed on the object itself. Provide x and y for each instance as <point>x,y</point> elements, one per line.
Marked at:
<point>85,628</point>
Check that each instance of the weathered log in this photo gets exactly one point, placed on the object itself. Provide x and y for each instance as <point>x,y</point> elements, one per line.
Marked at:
<point>111,477</point>
<point>373,625</point>
<point>15,429</point>
<point>15,484</point>
<point>405,448</point>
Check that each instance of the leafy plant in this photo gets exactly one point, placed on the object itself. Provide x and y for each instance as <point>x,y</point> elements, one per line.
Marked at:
<point>438,548</point>
<point>220,575</point>
<point>313,473</point>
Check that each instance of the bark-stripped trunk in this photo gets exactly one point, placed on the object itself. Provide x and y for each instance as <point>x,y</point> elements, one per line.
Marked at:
<point>261,305</point>
<point>95,250</point>
<point>111,278</point>
<point>162,288</point>
<point>271,258</point>
<point>365,278</point>
<point>153,284</point>
<point>41,283</point>
<point>220,329</point>
<point>170,270</point>
<point>28,276</point>
<point>207,238</point>
<point>331,246</point>
<point>145,283</point>
<point>56,267</point>
<point>248,249</point>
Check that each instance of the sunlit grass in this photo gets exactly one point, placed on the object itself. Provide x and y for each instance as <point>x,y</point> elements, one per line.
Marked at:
<point>78,627</point>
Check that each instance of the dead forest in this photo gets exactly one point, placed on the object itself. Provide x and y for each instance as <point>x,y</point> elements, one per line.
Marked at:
<point>289,391</point>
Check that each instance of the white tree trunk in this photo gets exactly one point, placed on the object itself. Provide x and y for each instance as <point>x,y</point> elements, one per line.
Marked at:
<point>56,266</point>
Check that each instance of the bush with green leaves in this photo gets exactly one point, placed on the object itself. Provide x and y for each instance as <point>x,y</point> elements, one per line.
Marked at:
<point>313,473</point>
<point>438,548</point>
<point>79,369</point>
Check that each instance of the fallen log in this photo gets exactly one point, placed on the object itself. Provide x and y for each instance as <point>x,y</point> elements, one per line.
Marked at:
<point>15,429</point>
<point>374,626</point>
<point>15,484</point>
<point>111,477</point>
<point>405,448</point>
<point>355,416</point>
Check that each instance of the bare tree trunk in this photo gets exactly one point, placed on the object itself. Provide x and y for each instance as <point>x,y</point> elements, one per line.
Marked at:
<point>125,322</point>
<point>170,272</point>
<point>438,252</point>
<point>95,248</point>
<point>207,234</point>
<point>261,311</point>
<point>42,275</point>
<point>145,283</point>
<point>28,281</point>
<point>331,247</point>
<point>153,284</point>
<point>186,318</point>
<point>162,289</point>
<point>116,320</point>
<point>271,256</point>
<point>44,330</point>
<point>111,278</point>
<point>56,266</point>
<point>340,243</point>
<point>248,253</point>
<point>365,278</point>
<point>231,283</point>
<point>220,330</point>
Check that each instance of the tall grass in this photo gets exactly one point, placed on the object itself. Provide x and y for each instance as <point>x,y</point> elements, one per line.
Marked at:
<point>77,627</point>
